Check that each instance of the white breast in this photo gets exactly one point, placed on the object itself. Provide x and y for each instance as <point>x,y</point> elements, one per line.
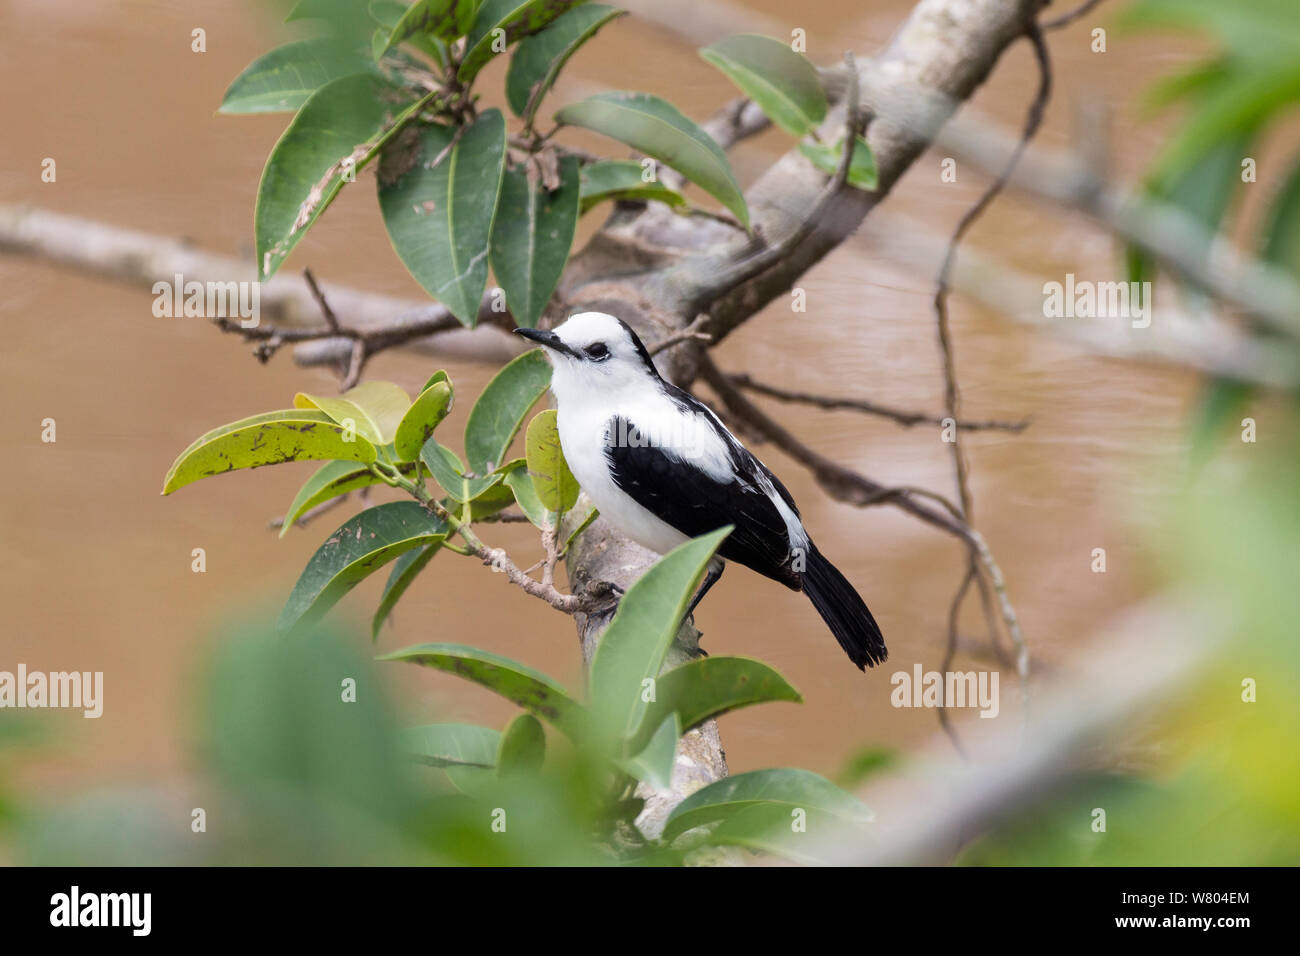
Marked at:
<point>582,435</point>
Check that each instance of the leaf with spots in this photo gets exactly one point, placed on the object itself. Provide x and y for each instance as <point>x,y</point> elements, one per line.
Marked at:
<point>500,23</point>
<point>421,420</point>
<point>373,409</point>
<point>268,439</point>
<point>554,483</point>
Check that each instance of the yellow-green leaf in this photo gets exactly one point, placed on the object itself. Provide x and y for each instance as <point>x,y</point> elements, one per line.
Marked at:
<point>268,439</point>
<point>421,419</point>
<point>556,487</point>
<point>375,409</point>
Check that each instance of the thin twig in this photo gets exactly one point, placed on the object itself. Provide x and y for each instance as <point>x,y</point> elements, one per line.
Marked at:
<point>306,517</point>
<point>950,652</point>
<point>1065,19</point>
<point>331,319</point>
<point>952,393</point>
<point>856,489</point>
<point>905,418</point>
<point>691,333</point>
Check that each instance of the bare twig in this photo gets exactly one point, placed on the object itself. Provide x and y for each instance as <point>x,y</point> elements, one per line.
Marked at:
<point>331,319</point>
<point>952,393</point>
<point>905,418</point>
<point>856,489</point>
<point>691,333</point>
<point>1065,19</point>
<point>311,513</point>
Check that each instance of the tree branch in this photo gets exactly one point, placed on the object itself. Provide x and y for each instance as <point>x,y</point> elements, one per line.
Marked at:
<point>907,419</point>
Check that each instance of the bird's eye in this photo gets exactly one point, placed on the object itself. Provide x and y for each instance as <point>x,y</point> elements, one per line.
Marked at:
<point>597,351</point>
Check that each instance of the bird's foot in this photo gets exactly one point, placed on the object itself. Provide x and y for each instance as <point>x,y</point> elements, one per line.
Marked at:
<point>604,596</point>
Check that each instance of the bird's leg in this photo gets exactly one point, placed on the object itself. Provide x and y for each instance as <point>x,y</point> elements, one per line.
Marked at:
<point>710,578</point>
<point>605,595</point>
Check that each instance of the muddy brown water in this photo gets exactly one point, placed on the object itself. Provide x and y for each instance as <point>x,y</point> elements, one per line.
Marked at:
<point>97,566</point>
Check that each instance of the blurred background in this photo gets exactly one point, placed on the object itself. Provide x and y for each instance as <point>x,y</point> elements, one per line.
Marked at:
<point>97,570</point>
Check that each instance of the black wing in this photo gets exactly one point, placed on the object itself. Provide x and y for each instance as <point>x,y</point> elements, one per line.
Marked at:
<point>694,503</point>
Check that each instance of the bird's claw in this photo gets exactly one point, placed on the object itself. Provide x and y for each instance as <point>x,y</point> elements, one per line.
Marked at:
<point>604,595</point>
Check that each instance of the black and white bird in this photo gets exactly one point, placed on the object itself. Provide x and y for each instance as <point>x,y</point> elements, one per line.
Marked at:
<point>662,468</point>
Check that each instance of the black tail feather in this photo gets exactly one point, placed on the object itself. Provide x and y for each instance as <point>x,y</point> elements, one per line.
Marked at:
<point>843,610</point>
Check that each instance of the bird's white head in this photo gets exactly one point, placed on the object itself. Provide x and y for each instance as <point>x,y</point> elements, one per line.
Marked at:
<point>594,354</point>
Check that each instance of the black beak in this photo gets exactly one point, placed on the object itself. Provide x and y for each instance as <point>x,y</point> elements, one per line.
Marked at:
<point>546,338</point>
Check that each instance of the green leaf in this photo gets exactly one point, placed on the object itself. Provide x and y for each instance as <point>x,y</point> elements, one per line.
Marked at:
<point>268,439</point>
<point>537,62</point>
<point>282,80</point>
<point>521,485</point>
<point>533,691</point>
<point>531,237</point>
<point>360,546</point>
<point>439,216</point>
<point>866,763</point>
<point>405,570</point>
<point>1281,242</point>
<point>709,687</point>
<point>653,764</point>
<point>421,419</point>
<point>514,20</point>
<point>499,412</point>
<point>770,828</point>
<point>375,409</point>
<point>788,788</point>
<point>449,471</point>
<point>342,17</point>
<point>451,745</point>
<point>1204,191</point>
<point>783,83</point>
<point>438,376</point>
<point>331,480</point>
<point>1235,108</point>
<point>522,748</point>
<point>632,650</point>
<point>862,167</point>
<point>445,19</point>
<point>616,179</point>
<point>578,528</point>
<point>339,130</point>
<point>556,487</point>
<point>656,128</point>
